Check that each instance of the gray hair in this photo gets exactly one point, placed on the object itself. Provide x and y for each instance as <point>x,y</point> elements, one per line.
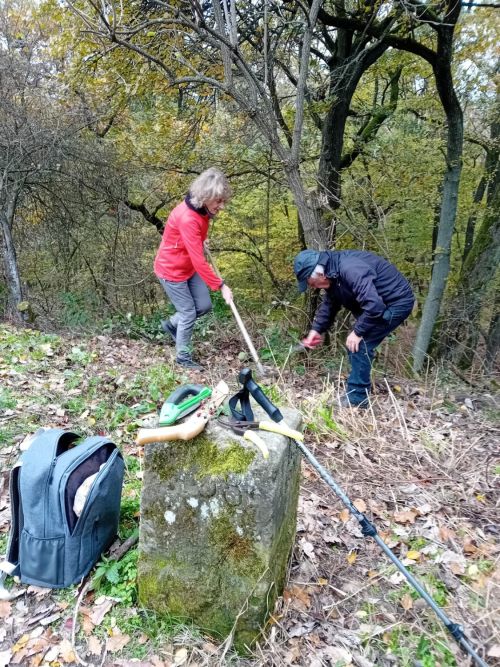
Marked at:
<point>318,271</point>
<point>210,184</point>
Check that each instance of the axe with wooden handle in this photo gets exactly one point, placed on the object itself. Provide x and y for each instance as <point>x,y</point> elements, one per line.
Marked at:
<point>238,319</point>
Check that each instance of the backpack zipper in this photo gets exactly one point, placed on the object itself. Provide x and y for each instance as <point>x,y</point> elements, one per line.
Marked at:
<point>100,472</point>
<point>45,497</point>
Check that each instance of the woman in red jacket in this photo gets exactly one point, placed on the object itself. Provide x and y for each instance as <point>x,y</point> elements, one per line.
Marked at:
<point>180,263</point>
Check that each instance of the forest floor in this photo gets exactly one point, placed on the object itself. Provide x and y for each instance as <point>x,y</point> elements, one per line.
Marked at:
<point>423,463</point>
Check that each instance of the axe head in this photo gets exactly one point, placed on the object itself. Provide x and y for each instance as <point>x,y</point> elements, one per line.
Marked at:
<point>299,348</point>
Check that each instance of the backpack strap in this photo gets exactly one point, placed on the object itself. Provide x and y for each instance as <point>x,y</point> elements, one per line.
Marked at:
<point>10,566</point>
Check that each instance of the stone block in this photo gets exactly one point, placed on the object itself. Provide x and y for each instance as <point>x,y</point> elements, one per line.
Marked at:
<point>217,528</point>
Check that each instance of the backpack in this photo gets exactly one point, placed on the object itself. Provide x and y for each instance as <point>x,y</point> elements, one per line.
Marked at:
<point>49,544</point>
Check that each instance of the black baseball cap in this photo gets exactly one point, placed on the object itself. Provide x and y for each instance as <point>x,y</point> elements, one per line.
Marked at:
<point>303,265</point>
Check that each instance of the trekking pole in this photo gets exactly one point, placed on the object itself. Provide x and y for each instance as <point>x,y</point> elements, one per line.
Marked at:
<point>238,319</point>
<point>367,528</point>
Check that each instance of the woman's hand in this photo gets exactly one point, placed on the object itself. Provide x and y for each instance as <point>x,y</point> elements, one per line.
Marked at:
<point>227,295</point>
<point>353,341</point>
<point>206,246</point>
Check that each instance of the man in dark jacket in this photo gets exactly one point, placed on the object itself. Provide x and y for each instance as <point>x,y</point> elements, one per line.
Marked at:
<point>373,290</point>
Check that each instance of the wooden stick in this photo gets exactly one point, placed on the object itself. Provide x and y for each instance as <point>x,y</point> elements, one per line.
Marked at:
<point>238,319</point>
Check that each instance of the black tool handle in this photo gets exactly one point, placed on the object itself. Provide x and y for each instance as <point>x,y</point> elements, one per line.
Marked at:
<point>183,392</point>
<point>246,380</point>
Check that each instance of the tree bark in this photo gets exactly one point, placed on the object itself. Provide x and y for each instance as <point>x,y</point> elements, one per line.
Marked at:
<point>459,342</point>
<point>347,65</point>
<point>15,292</point>
<point>478,271</point>
<point>454,117</point>
<point>493,341</point>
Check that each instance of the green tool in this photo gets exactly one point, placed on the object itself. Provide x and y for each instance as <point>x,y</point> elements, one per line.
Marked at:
<point>182,402</point>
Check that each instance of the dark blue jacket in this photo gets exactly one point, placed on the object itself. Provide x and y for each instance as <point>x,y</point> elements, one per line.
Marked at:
<point>364,283</point>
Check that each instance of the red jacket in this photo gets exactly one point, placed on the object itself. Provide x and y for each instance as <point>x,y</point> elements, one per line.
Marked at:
<point>180,254</point>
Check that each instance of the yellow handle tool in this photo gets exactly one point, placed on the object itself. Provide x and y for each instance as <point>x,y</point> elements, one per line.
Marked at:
<point>282,428</point>
<point>251,436</point>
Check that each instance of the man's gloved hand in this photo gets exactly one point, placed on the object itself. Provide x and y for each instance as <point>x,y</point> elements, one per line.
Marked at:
<point>312,340</point>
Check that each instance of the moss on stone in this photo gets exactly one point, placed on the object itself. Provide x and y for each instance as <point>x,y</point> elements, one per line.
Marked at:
<point>203,455</point>
<point>237,568</point>
<point>237,549</point>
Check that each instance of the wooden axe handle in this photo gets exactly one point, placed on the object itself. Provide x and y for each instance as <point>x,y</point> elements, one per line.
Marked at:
<point>239,321</point>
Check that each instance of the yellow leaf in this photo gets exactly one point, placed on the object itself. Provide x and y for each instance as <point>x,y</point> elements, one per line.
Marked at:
<point>344,515</point>
<point>406,601</point>
<point>322,582</point>
<point>413,555</point>
<point>351,557</point>
<point>20,643</point>
<point>481,497</point>
<point>473,570</point>
<point>360,505</point>
<point>67,651</point>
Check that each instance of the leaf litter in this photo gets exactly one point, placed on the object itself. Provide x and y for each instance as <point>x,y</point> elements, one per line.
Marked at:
<point>426,474</point>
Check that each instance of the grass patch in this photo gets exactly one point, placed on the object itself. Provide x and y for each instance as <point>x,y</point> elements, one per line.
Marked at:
<point>407,646</point>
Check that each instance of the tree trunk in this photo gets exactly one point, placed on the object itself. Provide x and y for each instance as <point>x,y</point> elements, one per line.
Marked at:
<point>493,342</point>
<point>441,264</point>
<point>459,341</point>
<point>478,271</point>
<point>315,236</point>
<point>472,219</point>
<point>347,66</point>
<point>15,293</point>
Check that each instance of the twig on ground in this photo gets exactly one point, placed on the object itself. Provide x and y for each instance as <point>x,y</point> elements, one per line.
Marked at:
<point>75,618</point>
<point>125,546</point>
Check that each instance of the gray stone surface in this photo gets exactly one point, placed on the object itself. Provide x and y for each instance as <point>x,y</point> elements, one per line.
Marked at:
<point>217,527</point>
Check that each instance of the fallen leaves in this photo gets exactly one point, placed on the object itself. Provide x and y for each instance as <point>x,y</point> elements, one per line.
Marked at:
<point>360,505</point>
<point>5,608</point>
<point>435,522</point>
<point>405,516</point>
<point>117,642</point>
<point>406,601</point>
<point>351,557</point>
<point>100,608</point>
<point>297,595</point>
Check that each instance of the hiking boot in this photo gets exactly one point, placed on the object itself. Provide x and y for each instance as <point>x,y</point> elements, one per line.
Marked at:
<point>190,364</point>
<point>169,328</point>
<point>344,402</point>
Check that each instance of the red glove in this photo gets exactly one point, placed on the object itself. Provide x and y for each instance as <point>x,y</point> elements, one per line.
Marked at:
<point>312,340</point>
